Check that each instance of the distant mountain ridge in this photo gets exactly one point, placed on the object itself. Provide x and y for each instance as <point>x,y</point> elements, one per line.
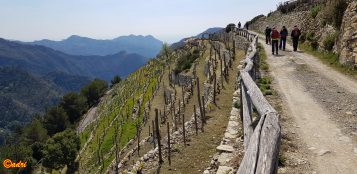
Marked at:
<point>209,31</point>
<point>42,60</point>
<point>147,46</point>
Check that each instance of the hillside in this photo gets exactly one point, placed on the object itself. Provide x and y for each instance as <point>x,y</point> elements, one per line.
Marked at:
<point>42,60</point>
<point>147,46</point>
<point>23,94</point>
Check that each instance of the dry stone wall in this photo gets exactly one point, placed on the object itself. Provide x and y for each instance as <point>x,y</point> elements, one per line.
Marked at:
<point>347,42</point>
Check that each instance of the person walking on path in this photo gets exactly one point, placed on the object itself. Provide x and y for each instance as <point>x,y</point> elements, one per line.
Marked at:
<point>239,25</point>
<point>283,35</point>
<point>275,35</point>
<point>267,35</point>
<point>295,35</point>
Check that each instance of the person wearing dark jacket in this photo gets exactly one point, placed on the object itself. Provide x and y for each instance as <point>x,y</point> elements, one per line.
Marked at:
<point>239,25</point>
<point>275,35</point>
<point>295,35</point>
<point>283,35</point>
<point>267,35</point>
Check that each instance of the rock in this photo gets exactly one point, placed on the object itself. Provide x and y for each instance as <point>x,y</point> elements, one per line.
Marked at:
<point>323,152</point>
<point>225,148</point>
<point>349,113</point>
<point>206,172</point>
<point>312,148</point>
<point>344,139</point>
<point>224,170</point>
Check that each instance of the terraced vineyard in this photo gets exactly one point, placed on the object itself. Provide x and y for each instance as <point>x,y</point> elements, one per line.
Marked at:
<point>122,136</point>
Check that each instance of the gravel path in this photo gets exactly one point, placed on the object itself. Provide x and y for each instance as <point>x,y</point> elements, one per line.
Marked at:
<point>323,105</point>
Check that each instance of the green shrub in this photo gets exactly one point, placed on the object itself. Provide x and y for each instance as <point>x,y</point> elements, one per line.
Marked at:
<point>303,37</point>
<point>310,36</point>
<point>185,62</point>
<point>314,45</point>
<point>329,41</point>
<point>315,11</point>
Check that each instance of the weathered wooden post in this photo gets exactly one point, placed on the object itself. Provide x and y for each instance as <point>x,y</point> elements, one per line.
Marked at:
<point>203,110</point>
<point>183,96</point>
<point>168,143</point>
<point>214,87</point>
<point>221,72</point>
<point>138,137</point>
<point>195,116</point>
<point>153,132</point>
<point>158,135</point>
<point>199,96</point>
<point>183,129</point>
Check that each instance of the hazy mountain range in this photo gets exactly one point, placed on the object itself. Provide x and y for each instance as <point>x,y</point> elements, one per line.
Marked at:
<point>147,46</point>
<point>34,77</point>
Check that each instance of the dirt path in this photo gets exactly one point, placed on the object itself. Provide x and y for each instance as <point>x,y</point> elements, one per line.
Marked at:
<point>323,105</point>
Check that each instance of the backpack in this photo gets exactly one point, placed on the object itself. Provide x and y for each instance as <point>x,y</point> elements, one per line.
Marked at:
<point>296,33</point>
<point>275,34</point>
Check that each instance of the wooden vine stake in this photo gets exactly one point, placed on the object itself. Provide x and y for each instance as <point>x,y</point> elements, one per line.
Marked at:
<point>214,87</point>
<point>199,101</point>
<point>168,143</point>
<point>138,137</point>
<point>153,132</point>
<point>195,116</point>
<point>158,135</point>
<point>203,110</point>
<point>183,130</point>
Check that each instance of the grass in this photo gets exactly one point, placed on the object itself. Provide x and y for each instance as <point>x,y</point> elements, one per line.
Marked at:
<point>330,59</point>
<point>263,57</point>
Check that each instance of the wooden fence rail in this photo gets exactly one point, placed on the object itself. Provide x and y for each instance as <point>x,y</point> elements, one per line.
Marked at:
<point>261,141</point>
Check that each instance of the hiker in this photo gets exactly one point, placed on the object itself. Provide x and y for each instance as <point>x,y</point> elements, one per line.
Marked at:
<point>295,34</point>
<point>283,35</point>
<point>239,24</point>
<point>247,26</point>
<point>275,35</point>
<point>267,35</point>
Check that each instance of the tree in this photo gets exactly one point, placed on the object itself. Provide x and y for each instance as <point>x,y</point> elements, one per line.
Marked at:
<point>115,80</point>
<point>94,90</point>
<point>34,132</point>
<point>166,51</point>
<point>55,120</point>
<point>75,105</point>
<point>61,149</point>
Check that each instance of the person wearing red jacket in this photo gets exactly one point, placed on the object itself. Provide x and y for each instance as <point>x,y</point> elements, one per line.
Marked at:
<point>275,36</point>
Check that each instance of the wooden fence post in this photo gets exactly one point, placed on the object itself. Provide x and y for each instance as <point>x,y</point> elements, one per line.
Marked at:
<point>199,97</point>
<point>153,132</point>
<point>158,135</point>
<point>195,116</point>
<point>168,143</point>
<point>203,110</point>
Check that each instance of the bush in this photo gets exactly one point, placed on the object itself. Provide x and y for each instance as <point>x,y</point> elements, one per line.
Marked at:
<point>314,45</point>
<point>303,37</point>
<point>185,62</point>
<point>329,41</point>
<point>310,36</point>
<point>94,91</point>
<point>315,11</point>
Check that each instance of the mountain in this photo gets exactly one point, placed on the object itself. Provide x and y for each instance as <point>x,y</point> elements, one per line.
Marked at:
<point>148,46</point>
<point>42,60</point>
<point>181,43</point>
<point>23,94</point>
<point>209,31</point>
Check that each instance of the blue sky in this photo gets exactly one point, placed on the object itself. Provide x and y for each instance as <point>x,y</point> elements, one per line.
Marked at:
<point>167,20</point>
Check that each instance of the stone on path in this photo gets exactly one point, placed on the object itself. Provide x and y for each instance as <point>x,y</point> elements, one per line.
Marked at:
<point>224,170</point>
<point>323,152</point>
<point>225,148</point>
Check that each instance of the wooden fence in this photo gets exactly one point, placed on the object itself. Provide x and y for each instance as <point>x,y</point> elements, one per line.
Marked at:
<point>261,141</point>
